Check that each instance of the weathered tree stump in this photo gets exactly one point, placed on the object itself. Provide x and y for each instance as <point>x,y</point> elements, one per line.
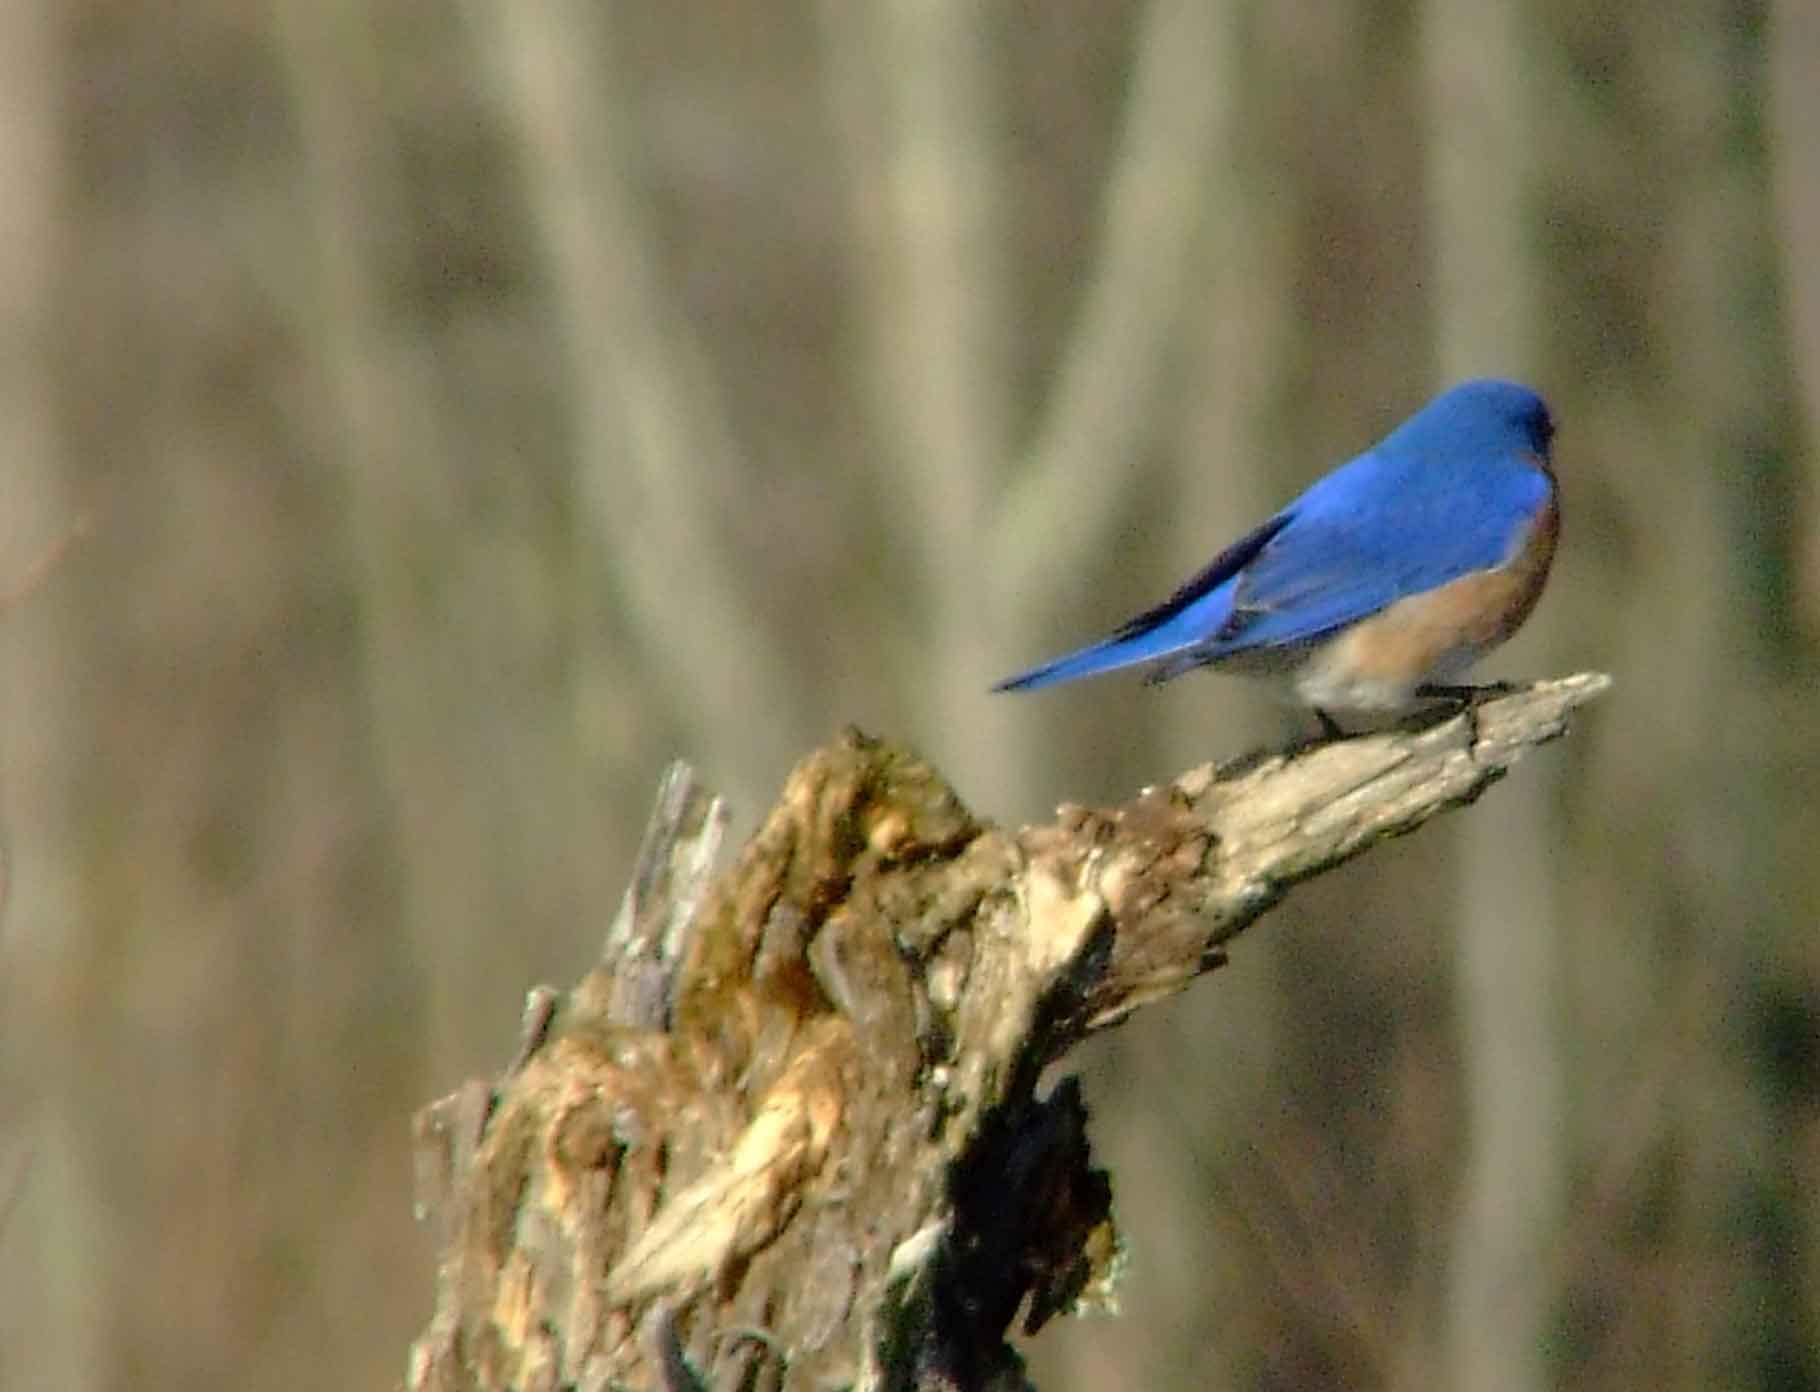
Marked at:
<point>789,1131</point>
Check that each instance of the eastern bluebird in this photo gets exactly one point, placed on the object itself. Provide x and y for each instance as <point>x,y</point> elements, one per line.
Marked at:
<point>1385,580</point>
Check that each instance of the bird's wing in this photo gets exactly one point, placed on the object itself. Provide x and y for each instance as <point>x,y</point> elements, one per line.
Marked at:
<point>1214,574</point>
<point>1187,620</point>
<point>1373,532</point>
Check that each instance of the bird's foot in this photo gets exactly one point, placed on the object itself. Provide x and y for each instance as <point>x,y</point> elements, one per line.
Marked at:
<point>1460,698</point>
<point>1451,700</point>
<point>1302,740</point>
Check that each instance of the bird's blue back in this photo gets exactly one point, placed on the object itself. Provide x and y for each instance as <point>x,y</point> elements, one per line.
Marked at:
<point>1446,494</point>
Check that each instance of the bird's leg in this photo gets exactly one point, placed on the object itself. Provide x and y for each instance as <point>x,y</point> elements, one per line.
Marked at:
<point>1456,698</point>
<point>1462,696</point>
<point>1330,728</point>
<point>1463,699</point>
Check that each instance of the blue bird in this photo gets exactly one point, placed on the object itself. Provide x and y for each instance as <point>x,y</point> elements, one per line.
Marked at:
<point>1380,584</point>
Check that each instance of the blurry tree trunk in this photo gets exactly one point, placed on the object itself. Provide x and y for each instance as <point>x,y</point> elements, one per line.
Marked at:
<point>656,456</point>
<point>1240,321</point>
<point>1736,1106</point>
<point>42,514</point>
<point>910,87</point>
<point>793,1129</point>
<point>1794,158</point>
<point>912,93</point>
<point>1483,119</point>
<point>403,513</point>
<point>1219,470</point>
<point>49,1321</point>
<point>1794,115</point>
<point>1099,423</point>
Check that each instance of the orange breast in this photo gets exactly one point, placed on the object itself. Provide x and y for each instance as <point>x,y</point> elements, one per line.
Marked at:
<point>1434,635</point>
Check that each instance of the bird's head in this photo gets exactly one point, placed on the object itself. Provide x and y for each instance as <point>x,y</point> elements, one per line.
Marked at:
<point>1486,415</point>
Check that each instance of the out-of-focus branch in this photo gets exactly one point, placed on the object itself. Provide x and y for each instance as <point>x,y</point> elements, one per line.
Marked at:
<point>1113,370</point>
<point>382,427</point>
<point>910,84</point>
<point>1794,159</point>
<point>655,446</point>
<point>1241,311</point>
<point>922,145</point>
<point>20,586</point>
<point>911,87</point>
<point>1483,86</point>
<point>830,1153</point>
<point>42,692</point>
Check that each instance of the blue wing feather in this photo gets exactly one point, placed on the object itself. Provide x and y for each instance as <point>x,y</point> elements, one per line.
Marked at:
<point>1369,534</point>
<point>1190,617</point>
<point>1448,493</point>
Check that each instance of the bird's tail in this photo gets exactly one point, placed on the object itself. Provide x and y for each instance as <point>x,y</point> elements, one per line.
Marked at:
<point>1180,634</point>
<point>1123,649</point>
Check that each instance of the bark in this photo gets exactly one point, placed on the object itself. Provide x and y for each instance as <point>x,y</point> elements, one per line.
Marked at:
<point>791,1130</point>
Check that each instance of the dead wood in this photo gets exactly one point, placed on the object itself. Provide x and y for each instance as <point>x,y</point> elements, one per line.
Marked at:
<point>789,1131</point>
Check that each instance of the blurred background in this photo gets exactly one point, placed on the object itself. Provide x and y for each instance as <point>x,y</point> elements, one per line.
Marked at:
<point>422,421</point>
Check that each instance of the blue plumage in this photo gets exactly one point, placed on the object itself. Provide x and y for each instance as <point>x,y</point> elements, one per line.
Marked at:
<point>1450,493</point>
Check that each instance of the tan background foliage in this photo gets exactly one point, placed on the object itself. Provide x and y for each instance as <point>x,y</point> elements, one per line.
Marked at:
<point>422,421</point>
